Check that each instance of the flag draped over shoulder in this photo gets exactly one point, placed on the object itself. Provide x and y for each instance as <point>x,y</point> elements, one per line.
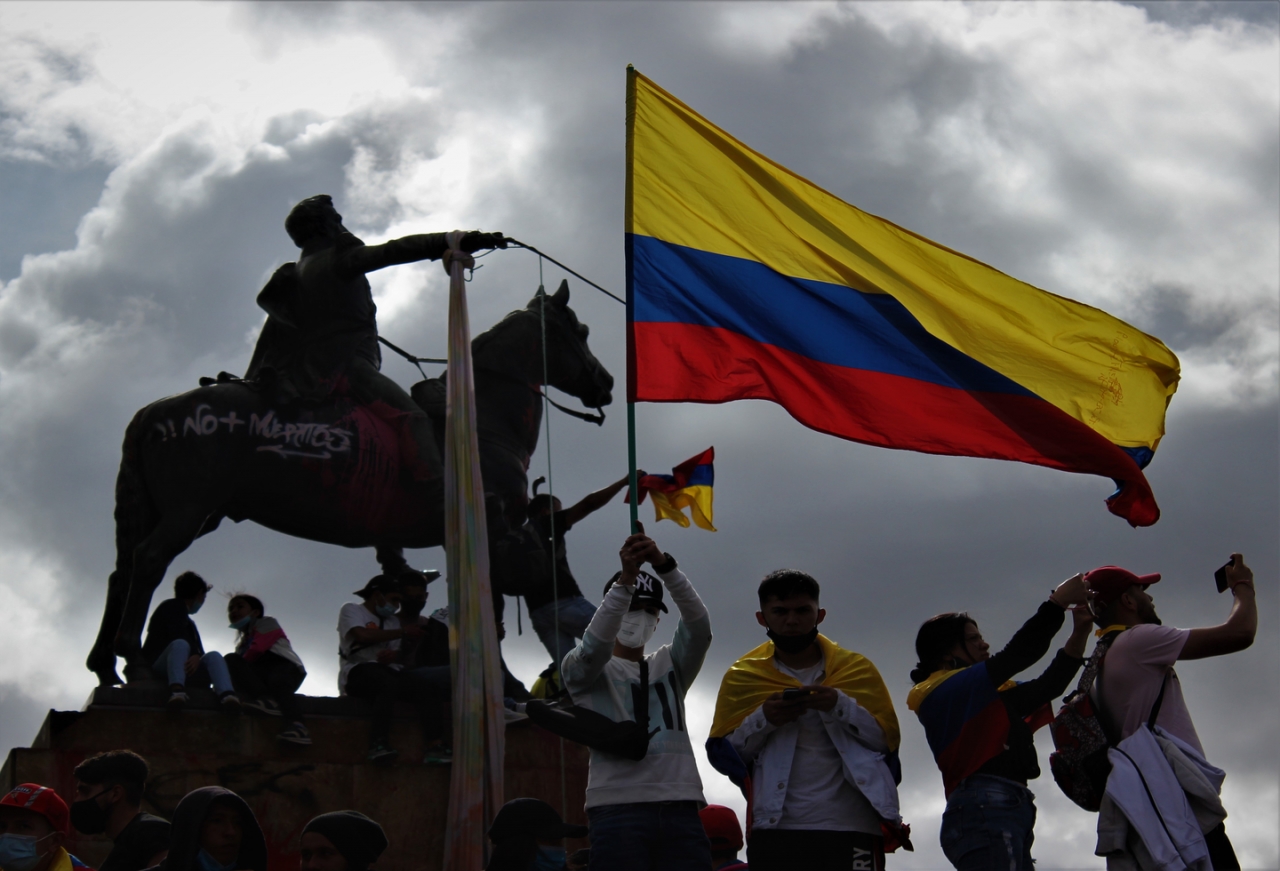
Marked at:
<point>688,486</point>
<point>746,281</point>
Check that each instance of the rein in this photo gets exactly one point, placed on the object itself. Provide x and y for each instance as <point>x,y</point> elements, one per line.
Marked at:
<point>597,418</point>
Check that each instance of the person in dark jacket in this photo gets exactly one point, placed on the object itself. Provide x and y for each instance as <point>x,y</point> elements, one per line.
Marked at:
<point>979,724</point>
<point>528,835</point>
<point>109,801</point>
<point>174,650</point>
<point>214,830</point>
<point>341,841</point>
<point>264,668</point>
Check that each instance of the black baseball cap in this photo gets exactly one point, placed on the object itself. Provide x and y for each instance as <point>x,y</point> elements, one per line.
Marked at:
<point>648,592</point>
<point>531,818</point>
<point>378,584</point>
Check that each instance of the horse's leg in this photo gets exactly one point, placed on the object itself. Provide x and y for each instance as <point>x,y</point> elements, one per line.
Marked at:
<point>391,559</point>
<point>102,658</point>
<point>151,559</point>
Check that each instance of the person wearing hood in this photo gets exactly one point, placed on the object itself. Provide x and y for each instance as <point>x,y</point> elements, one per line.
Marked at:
<point>265,667</point>
<point>528,835</point>
<point>214,830</point>
<point>174,650</point>
<point>33,823</point>
<point>341,841</point>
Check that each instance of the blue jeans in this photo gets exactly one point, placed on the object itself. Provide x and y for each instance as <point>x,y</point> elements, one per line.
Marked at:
<point>988,825</point>
<point>172,664</point>
<point>648,836</point>
<point>575,614</point>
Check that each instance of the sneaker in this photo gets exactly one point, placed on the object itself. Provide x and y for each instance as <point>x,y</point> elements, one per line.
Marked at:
<point>230,703</point>
<point>381,754</point>
<point>296,734</point>
<point>438,754</point>
<point>177,700</point>
<point>263,706</point>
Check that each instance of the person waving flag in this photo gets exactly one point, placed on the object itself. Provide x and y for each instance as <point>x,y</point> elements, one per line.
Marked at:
<point>746,281</point>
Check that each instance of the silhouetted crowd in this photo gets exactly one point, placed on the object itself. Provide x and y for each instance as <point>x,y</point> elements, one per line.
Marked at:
<point>807,729</point>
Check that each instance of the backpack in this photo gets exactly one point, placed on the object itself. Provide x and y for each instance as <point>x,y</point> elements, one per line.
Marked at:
<point>1082,735</point>
<point>628,739</point>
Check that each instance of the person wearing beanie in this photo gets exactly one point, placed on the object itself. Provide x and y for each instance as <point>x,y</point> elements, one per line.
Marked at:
<point>34,820</point>
<point>341,841</point>
<point>979,724</point>
<point>528,835</point>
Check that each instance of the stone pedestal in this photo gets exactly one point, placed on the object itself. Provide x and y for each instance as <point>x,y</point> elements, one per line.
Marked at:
<point>286,785</point>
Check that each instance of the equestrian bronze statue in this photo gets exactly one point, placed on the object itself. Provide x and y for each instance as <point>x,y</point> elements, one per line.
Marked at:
<point>315,442</point>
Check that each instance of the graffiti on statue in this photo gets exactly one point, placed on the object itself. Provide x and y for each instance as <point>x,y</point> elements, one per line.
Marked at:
<point>310,439</point>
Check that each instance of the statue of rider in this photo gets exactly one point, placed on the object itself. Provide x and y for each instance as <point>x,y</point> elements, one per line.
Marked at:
<point>321,336</point>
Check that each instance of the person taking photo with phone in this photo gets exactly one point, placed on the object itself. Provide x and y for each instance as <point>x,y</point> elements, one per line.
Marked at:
<point>811,727</point>
<point>1137,674</point>
<point>979,724</point>
<point>643,814</point>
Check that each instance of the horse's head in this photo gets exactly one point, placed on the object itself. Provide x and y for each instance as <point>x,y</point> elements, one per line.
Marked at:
<point>571,366</point>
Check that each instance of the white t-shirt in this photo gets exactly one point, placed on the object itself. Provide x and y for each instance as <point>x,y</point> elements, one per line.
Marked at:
<point>351,654</point>
<point>1132,672</point>
<point>818,796</point>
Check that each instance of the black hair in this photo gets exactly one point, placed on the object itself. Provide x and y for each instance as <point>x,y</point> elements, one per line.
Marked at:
<point>936,637</point>
<point>307,217</point>
<point>541,503</point>
<point>188,585</point>
<point>123,767</point>
<point>254,603</point>
<point>785,583</point>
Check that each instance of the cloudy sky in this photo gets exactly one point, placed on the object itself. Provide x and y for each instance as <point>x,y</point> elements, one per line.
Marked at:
<point>1122,155</point>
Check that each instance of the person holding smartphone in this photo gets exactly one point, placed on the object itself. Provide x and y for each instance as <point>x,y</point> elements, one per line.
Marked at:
<point>811,727</point>
<point>1139,663</point>
<point>979,724</point>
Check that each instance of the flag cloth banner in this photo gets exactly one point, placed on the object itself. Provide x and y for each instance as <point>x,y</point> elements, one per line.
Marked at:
<point>479,724</point>
<point>746,281</point>
<point>689,485</point>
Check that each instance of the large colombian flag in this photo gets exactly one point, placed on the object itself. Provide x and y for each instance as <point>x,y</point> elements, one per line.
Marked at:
<point>745,281</point>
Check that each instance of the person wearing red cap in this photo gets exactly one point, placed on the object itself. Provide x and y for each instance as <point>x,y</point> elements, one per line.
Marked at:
<point>721,825</point>
<point>1139,662</point>
<point>34,821</point>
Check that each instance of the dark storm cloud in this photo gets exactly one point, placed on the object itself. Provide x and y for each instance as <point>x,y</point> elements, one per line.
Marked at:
<point>159,288</point>
<point>1196,13</point>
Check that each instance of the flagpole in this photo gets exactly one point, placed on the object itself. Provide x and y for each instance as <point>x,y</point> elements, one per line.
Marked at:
<point>631,346</point>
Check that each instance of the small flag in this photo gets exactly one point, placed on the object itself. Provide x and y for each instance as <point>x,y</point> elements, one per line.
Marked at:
<point>688,485</point>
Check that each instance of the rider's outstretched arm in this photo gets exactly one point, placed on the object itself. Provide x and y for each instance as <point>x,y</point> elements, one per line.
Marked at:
<point>409,249</point>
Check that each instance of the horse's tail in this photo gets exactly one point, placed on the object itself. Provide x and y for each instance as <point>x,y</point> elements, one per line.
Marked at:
<point>136,516</point>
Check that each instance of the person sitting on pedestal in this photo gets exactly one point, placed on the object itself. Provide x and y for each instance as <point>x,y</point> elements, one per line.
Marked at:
<point>341,841</point>
<point>109,801</point>
<point>33,824</point>
<point>214,830</point>
<point>369,635</point>
<point>264,668</point>
<point>174,650</point>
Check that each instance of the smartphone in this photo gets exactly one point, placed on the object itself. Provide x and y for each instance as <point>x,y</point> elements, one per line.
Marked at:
<point>795,693</point>
<point>1220,576</point>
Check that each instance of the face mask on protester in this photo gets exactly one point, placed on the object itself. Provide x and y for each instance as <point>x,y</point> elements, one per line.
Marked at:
<point>241,624</point>
<point>387,610</point>
<point>20,852</point>
<point>637,628</point>
<point>549,859</point>
<point>208,863</point>
<point>88,817</point>
<point>793,643</point>
<point>191,609</point>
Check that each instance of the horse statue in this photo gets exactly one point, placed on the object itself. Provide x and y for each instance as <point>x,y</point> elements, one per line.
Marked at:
<point>329,471</point>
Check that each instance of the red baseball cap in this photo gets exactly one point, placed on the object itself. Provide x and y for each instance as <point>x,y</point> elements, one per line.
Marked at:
<point>1106,583</point>
<point>721,826</point>
<point>41,800</point>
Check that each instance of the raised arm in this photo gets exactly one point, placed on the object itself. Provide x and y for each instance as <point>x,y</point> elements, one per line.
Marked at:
<point>594,501</point>
<point>408,249</point>
<point>1242,624</point>
<point>1030,643</point>
<point>586,661</point>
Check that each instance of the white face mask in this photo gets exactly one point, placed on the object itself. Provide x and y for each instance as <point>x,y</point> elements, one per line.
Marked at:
<point>637,628</point>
